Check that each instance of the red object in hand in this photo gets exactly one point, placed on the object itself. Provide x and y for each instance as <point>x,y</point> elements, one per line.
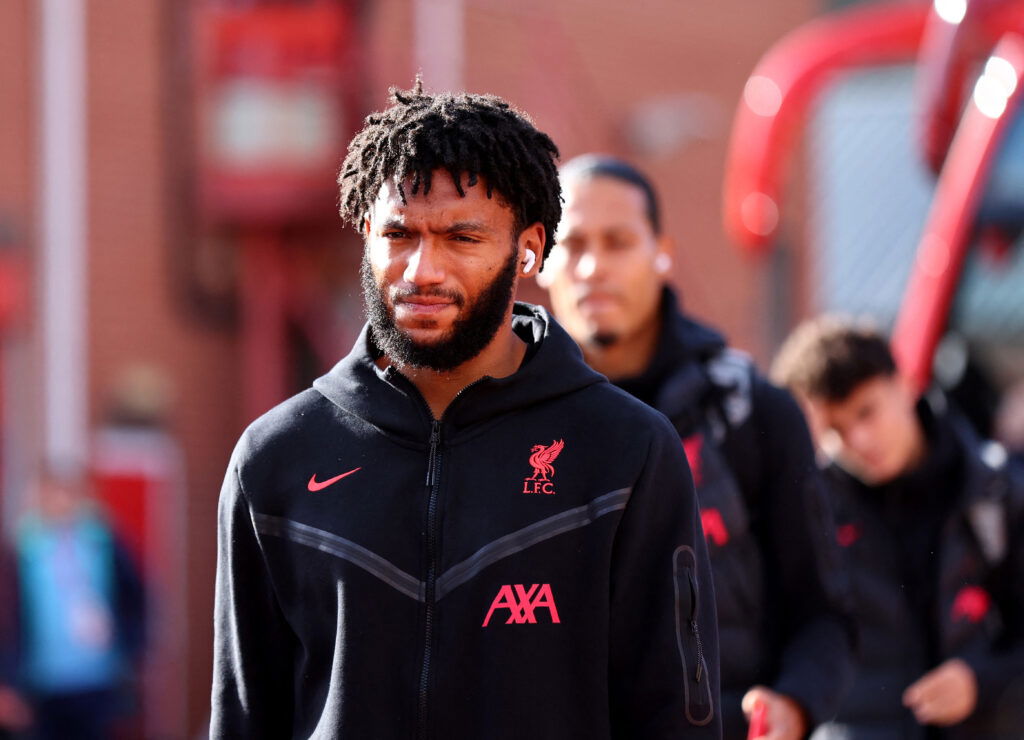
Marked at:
<point>758,721</point>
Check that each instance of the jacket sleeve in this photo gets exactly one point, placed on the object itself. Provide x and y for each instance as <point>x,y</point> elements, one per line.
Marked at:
<point>663,635</point>
<point>252,651</point>
<point>812,591</point>
<point>999,665</point>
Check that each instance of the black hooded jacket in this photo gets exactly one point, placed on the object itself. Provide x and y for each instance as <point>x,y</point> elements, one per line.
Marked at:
<point>782,596</point>
<point>530,565</point>
<point>937,564</point>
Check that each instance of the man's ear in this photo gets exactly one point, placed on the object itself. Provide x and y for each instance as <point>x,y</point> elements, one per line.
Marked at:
<point>366,226</point>
<point>663,258</point>
<point>531,242</point>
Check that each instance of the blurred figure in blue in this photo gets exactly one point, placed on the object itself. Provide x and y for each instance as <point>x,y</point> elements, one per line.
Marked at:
<point>81,611</point>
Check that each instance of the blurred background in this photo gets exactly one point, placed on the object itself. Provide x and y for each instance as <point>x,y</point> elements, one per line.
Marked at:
<point>172,264</point>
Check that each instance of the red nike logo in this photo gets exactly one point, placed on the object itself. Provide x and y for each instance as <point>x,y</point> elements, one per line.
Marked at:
<point>314,486</point>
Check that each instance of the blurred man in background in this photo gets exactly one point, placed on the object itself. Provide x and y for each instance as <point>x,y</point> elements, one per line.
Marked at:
<point>931,520</point>
<point>81,616</point>
<point>785,639</point>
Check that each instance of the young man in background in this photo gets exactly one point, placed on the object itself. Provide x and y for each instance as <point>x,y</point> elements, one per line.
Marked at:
<point>931,521</point>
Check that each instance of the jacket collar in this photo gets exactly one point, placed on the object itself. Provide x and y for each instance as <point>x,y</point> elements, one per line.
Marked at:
<point>683,339</point>
<point>386,399</point>
<point>675,382</point>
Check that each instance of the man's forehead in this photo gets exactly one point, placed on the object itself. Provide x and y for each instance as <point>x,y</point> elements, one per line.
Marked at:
<point>603,198</point>
<point>443,197</point>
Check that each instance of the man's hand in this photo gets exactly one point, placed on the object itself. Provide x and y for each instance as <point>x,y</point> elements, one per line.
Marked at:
<point>943,696</point>
<point>14,712</point>
<point>784,717</point>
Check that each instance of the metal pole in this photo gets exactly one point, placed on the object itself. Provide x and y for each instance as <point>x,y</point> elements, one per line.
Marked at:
<point>63,229</point>
<point>439,43</point>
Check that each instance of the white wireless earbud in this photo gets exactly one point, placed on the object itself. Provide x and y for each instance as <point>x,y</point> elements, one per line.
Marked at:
<point>528,261</point>
<point>662,263</point>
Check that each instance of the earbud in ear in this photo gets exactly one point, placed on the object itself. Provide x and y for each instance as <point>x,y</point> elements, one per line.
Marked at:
<point>528,261</point>
<point>662,263</point>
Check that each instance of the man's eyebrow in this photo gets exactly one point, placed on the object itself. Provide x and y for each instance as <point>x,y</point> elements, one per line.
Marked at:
<point>478,226</point>
<point>393,223</point>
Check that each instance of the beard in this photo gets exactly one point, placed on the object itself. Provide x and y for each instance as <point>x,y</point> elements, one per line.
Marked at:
<point>471,332</point>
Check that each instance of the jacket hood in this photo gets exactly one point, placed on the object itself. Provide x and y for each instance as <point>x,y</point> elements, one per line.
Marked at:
<point>675,382</point>
<point>683,338</point>
<point>553,366</point>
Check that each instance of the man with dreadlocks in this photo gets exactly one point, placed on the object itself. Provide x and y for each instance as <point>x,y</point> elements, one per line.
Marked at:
<point>460,531</point>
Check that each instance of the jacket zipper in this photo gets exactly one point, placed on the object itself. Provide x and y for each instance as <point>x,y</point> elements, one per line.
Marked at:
<point>696,697</point>
<point>432,485</point>
<point>695,629</point>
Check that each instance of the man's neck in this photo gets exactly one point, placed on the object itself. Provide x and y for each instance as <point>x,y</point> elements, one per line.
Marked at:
<point>629,356</point>
<point>917,451</point>
<point>499,359</point>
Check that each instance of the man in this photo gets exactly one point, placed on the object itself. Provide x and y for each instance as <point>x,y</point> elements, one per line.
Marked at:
<point>931,522</point>
<point>81,612</point>
<point>784,641</point>
<point>460,531</point>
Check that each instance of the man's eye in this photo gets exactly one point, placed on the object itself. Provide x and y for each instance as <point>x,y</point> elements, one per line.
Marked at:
<point>394,234</point>
<point>466,239</point>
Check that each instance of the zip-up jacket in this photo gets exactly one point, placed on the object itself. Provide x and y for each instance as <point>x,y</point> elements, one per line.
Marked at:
<point>782,595</point>
<point>529,565</point>
<point>937,564</point>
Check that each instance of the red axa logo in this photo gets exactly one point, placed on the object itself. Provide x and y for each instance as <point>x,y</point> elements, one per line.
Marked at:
<point>972,604</point>
<point>714,527</point>
<point>522,603</point>
<point>541,458</point>
<point>693,446</point>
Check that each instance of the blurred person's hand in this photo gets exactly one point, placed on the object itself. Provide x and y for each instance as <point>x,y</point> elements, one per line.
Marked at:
<point>14,712</point>
<point>783,716</point>
<point>944,695</point>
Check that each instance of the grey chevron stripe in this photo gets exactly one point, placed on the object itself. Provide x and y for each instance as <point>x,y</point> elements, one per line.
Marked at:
<point>342,548</point>
<point>529,536</point>
<point>458,574</point>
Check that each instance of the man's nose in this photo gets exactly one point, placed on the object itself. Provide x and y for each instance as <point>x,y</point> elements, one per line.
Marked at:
<point>425,265</point>
<point>586,266</point>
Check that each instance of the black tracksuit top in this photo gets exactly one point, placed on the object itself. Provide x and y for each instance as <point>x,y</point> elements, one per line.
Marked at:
<point>531,565</point>
<point>937,562</point>
<point>781,593</point>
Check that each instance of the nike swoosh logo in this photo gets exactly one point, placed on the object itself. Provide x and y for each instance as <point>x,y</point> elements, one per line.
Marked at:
<point>315,486</point>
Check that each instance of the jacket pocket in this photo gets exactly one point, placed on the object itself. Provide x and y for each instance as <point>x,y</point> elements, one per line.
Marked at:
<point>697,685</point>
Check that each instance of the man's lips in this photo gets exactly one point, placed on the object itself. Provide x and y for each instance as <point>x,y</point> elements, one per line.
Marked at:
<point>597,301</point>
<point>422,305</point>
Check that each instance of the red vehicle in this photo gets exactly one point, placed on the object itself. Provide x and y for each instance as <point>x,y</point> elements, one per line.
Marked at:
<point>966,102</point>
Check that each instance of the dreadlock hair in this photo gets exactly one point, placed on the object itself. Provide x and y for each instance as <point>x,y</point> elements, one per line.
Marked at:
<point>480,136</point>
<point>830,356</point>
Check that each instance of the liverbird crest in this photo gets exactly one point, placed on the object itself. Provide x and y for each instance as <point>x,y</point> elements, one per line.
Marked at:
<point>541,459</point>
